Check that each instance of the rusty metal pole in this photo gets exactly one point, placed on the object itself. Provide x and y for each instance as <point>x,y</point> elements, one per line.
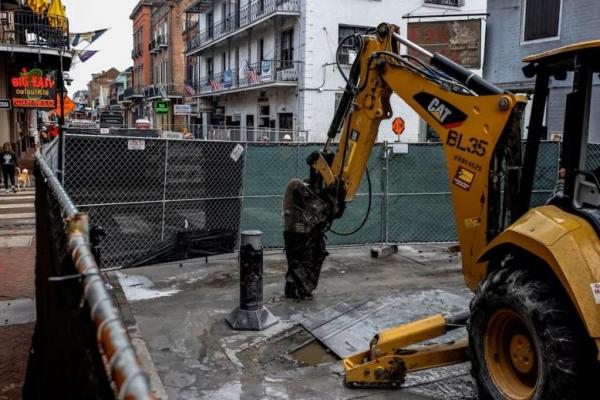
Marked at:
<point>251,315</point>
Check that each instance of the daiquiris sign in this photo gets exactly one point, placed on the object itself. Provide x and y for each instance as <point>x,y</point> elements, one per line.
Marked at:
<point>33,88</point>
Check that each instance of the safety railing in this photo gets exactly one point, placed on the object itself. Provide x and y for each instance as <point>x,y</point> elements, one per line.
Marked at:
<point>80,349</point>
<point>26,28</point>
<point>254,12</point>
<point>254,74</point>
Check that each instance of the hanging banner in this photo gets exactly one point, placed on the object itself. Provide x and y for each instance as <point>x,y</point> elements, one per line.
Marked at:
<point>266,70</point>
<point>227,78</point>
<point>33,88</point>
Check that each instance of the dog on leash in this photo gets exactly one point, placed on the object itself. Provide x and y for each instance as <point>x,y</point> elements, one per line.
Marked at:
<point>23,180</point>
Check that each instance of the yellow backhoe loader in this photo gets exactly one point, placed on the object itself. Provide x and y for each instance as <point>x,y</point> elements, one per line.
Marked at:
<point>534,322</point>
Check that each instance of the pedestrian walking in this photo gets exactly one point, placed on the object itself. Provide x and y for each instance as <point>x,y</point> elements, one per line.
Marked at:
<point>8,158</point>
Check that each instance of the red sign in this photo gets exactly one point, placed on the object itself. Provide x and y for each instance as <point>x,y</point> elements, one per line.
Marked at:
<point>459,40</point>
<point>33,88</point>
<point>398,126</point>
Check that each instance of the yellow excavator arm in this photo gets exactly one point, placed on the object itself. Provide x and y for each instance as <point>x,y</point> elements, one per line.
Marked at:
<point>479,126</point>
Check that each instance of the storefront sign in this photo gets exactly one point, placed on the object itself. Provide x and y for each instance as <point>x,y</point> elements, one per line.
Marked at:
<point>182,109</point>
<point>5,104</point>
<point>459,40</point>
<point>162,107</point>
<point>33,88</point>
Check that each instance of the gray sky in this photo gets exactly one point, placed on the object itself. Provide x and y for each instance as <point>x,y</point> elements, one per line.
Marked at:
<point>115,45</point>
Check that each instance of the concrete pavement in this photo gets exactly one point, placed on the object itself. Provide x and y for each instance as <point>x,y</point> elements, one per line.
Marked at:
<point>180,310</point>
<point>17,289</point>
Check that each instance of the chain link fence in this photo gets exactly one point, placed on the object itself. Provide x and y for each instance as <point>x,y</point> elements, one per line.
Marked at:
<point>146,192</point>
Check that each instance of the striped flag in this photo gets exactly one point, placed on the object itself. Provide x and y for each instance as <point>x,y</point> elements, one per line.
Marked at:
<point>189,90</point>
<point>253,76</point>
<point>215,85</point>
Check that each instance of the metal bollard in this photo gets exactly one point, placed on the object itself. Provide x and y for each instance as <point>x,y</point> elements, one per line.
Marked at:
<point>251,315</point>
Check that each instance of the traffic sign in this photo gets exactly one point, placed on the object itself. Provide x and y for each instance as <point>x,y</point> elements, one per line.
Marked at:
<point>5,104</point>
<point>398,126</point>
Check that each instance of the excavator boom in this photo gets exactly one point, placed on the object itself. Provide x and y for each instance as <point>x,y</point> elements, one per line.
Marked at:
<point>478,124</point>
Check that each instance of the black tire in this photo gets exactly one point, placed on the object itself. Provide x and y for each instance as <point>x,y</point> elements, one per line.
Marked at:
<point>563,355</point>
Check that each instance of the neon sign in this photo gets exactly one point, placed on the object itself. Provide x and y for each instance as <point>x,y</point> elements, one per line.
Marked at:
<point>33,88</point>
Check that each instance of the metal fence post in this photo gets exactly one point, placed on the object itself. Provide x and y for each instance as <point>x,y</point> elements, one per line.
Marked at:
<point>164,198</point>
<point>385,249</point>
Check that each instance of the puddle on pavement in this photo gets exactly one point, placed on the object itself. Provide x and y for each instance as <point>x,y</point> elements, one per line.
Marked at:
<point>290,349</point>
<point>314,353</point>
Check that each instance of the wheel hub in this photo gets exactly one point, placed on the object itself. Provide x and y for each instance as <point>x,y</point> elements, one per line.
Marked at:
<point>521,353</point>
<point>511,355</point>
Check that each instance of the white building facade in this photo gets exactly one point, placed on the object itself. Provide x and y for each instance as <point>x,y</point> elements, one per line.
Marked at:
<point>267,67</point>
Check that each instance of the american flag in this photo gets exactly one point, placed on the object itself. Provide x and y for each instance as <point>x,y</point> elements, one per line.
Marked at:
<point>253,76</point>
<point>215,85</point>
<point>189,90</point>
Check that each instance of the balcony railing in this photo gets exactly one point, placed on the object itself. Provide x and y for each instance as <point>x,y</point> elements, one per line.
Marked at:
<point>256,74</point>
<point>136,52</point>
<point>132,92</point>
<point>255,11</point>
<point>26,28</point>
<point>450,3</point>
<point>164,90</point>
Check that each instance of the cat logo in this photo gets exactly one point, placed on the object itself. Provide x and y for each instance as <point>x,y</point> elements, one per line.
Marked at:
<point>438,110</point>
<point>445,113</point>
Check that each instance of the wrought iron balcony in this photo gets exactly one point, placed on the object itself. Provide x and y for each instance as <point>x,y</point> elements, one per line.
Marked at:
<point>133,92</point>
<point>26,28</point>
<point>254,12</point>
<point>259,74</point>
<point>164,91</point>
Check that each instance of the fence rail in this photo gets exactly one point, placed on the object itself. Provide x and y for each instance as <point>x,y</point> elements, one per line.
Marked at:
<point>78,352</point>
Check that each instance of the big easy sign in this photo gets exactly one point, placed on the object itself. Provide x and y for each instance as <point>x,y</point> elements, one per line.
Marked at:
<point>33,88</point>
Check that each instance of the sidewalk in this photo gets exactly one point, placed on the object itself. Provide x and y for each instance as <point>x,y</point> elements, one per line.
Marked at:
<point>17,287</point>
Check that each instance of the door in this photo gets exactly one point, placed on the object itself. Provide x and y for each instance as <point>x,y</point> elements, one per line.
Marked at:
<point>286,125</point>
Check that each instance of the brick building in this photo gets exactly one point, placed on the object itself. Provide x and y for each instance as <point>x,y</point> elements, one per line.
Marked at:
<point>158,60</point>
<point>141,75</point>
<point>99,89</point>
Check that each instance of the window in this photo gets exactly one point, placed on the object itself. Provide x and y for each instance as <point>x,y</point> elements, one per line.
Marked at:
<point>261,50</point>
<point>264,113</point>
<point>348,46</point>
<point>338,99</point>
<point>541,19</point>
<point>210,67</point>
<point>287,48</point>
<point>223,61</point>
<point>209,25</point>
<point>166,33</point>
